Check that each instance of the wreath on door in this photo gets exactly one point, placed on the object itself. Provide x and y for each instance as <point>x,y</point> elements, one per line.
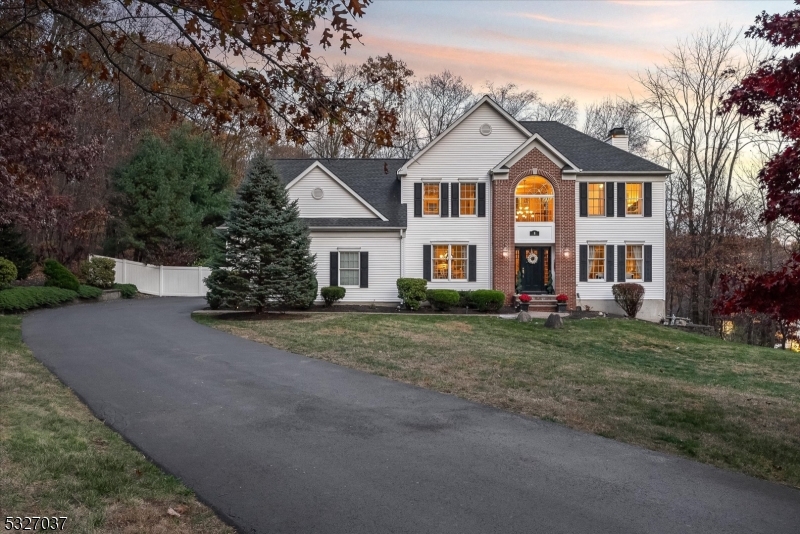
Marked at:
<point>532,257</point>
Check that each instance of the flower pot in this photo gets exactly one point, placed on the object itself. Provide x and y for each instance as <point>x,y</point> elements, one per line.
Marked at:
<point>524,306</point>
<point>562,307</point>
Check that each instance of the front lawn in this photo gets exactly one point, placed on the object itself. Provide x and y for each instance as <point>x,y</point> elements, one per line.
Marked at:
<point>731,405</point>
<point>57,459</point>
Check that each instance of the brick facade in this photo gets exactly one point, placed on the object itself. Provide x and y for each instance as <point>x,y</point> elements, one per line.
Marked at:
<point>503,219</point>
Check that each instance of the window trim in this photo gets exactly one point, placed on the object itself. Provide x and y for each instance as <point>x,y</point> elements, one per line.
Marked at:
<point>438,186</point>
<point>449,245</point>
<point>461,197</point>
<point>634,244</point>
<point>552,197</point>
<point>357,252</point>
<point>590,246</point>
<point>602,199</point>
<point>641,199</point>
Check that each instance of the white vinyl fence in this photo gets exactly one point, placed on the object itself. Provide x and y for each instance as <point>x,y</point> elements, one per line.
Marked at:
<point>162,280</point>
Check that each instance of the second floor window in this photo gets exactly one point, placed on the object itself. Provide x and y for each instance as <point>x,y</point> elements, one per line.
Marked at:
<point>634,204</point>
<point>534,200</point>
<point>468,198</point>
<point>430,199</point>
<point>597,200</point>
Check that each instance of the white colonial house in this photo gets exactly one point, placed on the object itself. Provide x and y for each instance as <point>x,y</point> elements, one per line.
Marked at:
<point>491,203</point>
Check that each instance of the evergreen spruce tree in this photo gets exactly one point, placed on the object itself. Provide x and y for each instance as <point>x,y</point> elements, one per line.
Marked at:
<point>267,256</point>
<point>14,248</point>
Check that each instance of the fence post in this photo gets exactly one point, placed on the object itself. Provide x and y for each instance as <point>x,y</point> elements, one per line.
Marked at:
<point>124,271</point>
<point>199,281</point>
<point>160,280</point>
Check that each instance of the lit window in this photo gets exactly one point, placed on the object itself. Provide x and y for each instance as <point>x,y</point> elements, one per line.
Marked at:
<point>449,262</point>
<point>534,200</point>
<point>349,269</point>
<point>633,199</point>
<point>597,262</point>
<point>634,261</point>
<point>467,198</point>
<point>597,200</point>
<point>430,199</point>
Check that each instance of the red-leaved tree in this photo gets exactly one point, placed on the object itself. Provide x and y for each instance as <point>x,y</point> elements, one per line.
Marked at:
<point>771,96</point>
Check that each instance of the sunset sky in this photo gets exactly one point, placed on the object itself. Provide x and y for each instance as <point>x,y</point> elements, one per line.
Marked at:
<point>584,49</point>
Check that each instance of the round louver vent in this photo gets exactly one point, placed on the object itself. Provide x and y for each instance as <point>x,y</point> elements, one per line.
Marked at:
<point>318,193</point>
<point>486,129</point>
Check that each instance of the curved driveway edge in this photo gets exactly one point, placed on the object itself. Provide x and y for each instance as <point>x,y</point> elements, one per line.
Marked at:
<point>278,442</point>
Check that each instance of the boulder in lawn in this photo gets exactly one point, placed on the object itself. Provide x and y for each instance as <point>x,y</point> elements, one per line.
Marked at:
<point>523,317</point>
<point>554,321</point>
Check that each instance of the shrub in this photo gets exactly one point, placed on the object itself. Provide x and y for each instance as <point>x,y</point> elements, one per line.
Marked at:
<point>14,248</point>
<point>226,289</point>
<point>465,299</point>
<point>8,273</point>
<point>126,291</point>
<point>629,296</point>
<point>89,292</point>
<point>488,299</point>
<point>411,291</point>
<point>59,276</point>
<point>561,297</point>
<point>21,299</point>
<point>442,299</point>
<point>99,272</point>
<point>332,293</point>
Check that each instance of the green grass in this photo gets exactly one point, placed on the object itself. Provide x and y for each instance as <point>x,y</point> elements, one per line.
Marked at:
<point>731,405</point>
<point>56,459</point>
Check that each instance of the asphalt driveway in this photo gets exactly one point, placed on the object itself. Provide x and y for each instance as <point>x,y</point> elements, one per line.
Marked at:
<point>277,442</point>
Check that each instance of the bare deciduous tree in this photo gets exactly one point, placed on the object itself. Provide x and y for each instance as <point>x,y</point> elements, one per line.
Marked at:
<point>609,113</point>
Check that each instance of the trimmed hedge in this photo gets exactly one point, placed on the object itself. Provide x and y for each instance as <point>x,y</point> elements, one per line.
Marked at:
<point>442,299</point>
<point>487,299</point>
<point>59,276</point>
<point>411,291</point>
<point>8,273</point>
<point>89,292</point>
<point>99,272</point>
<point>629,296</point>
<point>126,291</point>
<point>465,299</point>
<point>332,293</point>
<point>21,299</point>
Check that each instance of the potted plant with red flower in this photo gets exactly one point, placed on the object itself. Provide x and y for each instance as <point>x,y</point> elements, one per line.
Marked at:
<point>524,301</point>
<point>561,300</point>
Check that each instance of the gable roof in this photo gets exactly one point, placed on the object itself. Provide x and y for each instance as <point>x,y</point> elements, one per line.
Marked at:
<point>485,99</point>
<point>374,181</point>
<point>590,154</point>
<point>524,148</point>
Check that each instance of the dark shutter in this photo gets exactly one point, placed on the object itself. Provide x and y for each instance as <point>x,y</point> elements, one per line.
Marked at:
<point>472,263</point>
<point>648,199</point>
<point>481,200</point>
<point>648,263</point>
<point>620,263</point>
<point>417,200</point>
<point>334,269</point>
<point>454,205</point>
<point>444,200</point>
<point>364,279</point>
<point>426,262</point>
<point>609,199</point>
<point>584,263</point>
<point>610,261</point>
<point>584,195</point>
<point>621,199</point>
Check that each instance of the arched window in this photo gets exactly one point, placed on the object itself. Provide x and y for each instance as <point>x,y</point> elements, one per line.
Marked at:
<point>535,200</point>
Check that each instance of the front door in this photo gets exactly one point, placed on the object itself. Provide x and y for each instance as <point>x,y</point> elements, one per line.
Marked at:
<point>533,266</point>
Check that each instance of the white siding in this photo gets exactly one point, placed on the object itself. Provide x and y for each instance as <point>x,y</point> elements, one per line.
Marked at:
<point>466,155</point>
<point>618,230</point>
<point>337,202</point>
<point>384,262</point>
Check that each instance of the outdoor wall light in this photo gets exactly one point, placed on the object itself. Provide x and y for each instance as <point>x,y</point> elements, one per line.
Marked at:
<point>505,252</point>
<point>566,253</point>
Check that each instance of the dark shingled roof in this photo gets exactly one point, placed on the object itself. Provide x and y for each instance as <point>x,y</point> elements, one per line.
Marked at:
<point>588,153</point>
<point>375,180</point>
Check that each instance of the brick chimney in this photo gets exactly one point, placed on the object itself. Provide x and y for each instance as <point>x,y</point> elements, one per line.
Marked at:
<point>618,138</point>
